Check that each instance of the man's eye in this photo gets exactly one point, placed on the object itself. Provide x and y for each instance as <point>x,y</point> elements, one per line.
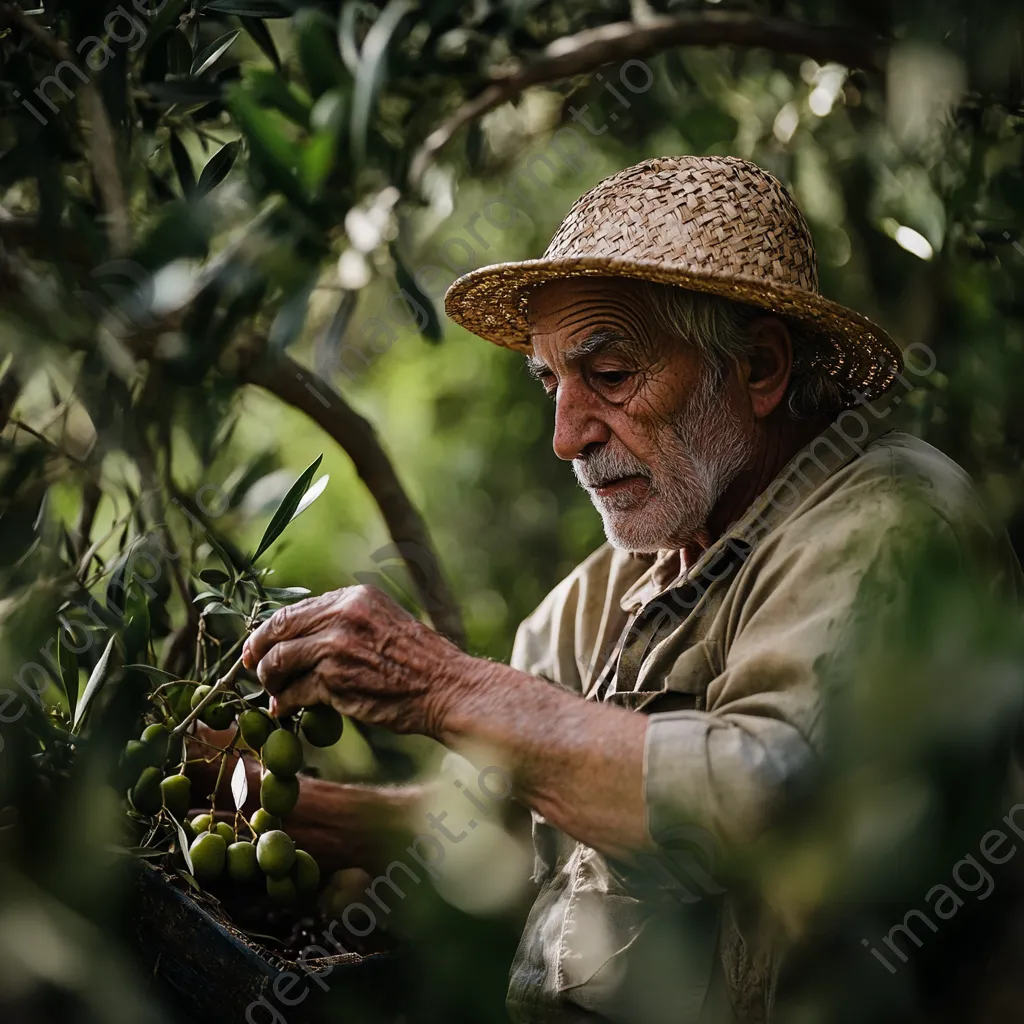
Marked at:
<point>549,384</point>
<point>613,377</point>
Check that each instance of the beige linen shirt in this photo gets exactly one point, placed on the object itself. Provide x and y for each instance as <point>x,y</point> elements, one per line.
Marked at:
<point>725,657</point>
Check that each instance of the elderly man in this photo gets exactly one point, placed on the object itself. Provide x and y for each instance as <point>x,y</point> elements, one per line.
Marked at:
<point>667,695</point>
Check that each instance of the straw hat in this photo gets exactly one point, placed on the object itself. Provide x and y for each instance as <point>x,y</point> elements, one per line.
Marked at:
<point>708,223</point>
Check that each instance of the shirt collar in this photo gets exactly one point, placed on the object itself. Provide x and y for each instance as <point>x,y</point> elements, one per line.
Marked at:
<point>839,444</point>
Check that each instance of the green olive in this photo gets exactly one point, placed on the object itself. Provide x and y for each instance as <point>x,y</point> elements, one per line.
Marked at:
<point>278,796</point>
<point>263,821</point>
<point>306,873</point>
<point>202,822</point>
<point>282,891</point>
<point>157,738</point>
<point>177,795</point>
<point>147,797</point>
<point>243,864</point>
<point>282,753</point>
<point>322,725</point>
<point>208,854</point>
<point>136,756</point>
<point>275,853</point>
<point>217,714</point>
<point>255,726</point>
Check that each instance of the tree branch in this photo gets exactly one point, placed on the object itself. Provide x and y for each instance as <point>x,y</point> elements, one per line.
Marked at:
<point>626,40</point>
<point>306,391</point>
<point>102,143</point>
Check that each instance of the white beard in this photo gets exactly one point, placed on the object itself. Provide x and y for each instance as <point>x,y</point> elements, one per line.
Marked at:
<point>701,451</point>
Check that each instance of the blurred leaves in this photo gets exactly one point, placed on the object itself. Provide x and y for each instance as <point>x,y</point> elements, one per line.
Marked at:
<point>127,373</point>
<point>262,38</point>
<point>182,166</point>
<point>431,328</point>
<point>372,69</point>
<point>318,53</point>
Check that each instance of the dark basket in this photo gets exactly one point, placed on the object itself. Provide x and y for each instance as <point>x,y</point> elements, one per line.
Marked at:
<point>207,970</point>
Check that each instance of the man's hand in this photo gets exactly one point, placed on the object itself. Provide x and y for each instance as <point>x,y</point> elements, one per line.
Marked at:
<point>356,649</point>
<point>576,762</point>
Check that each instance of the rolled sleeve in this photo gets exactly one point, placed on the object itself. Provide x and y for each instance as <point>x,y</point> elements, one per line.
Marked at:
<point>723,772</point>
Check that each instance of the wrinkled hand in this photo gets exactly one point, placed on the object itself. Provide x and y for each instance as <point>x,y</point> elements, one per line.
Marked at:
<point>356,649</point>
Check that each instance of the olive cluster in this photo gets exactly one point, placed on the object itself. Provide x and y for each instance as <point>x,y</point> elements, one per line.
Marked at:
<point>253,850</point>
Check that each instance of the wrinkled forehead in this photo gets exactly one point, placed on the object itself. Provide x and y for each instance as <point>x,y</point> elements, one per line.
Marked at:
<point>558,303</point>
<point>564,315</point>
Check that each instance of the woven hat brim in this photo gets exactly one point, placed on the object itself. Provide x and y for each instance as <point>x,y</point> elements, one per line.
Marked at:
<point>491,303</point>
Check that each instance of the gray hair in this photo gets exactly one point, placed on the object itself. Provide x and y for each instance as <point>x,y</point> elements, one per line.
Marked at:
<point>720,329</point>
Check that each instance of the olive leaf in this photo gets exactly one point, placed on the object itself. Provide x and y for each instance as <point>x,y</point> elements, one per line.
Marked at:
<point>250,8</point>
<point>217,167</point>
<point>209,56</point>
<point>182,842</point>
<point>136,629</point>
<point>96,679</point>
<point>269,89</point>
<point>219,548</point>
<point>179,53</point>
<point>214,577</point>
<point>431,329</point>
<point>372,70</point>
<point>311,495</point>
<point>239,783</point>
<point>67,664</point>
<point>166,18</point>
<point>318,51</point>
<point>262,38</point>
<point>270,149</point>
<point>288,593</point>
<point>219,608</point>
<point>158,675</point>
<point>291,317</point>
<point>187,875</point>
<point>291,505</point>
<point>182,165</point>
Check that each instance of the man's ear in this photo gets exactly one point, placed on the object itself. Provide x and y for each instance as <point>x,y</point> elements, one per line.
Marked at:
<point>769,364</point>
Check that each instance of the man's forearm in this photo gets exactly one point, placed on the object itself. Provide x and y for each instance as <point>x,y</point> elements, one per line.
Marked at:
<point>342,824</point>
<point>353,825</point>
<point>578,763</point>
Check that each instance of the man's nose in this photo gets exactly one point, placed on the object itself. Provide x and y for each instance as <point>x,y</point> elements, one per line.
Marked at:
<point>577,424</point>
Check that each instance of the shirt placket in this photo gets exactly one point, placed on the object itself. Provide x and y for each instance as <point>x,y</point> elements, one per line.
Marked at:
<point>654,623</point>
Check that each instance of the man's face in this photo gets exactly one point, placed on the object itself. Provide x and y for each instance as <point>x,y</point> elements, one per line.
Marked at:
<point>654,436</point>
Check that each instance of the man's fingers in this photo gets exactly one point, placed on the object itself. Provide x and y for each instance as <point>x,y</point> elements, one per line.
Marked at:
<point>290,658</point>
<point>303,692</point>
<point>285,624</point>
<point>282,625</point>
<point>288,623</point>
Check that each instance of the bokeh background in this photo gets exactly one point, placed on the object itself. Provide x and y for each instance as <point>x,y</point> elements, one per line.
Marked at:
<point>273,186</point>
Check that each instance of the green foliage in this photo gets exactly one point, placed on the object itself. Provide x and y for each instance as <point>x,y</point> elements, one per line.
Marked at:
<point>259,166</point>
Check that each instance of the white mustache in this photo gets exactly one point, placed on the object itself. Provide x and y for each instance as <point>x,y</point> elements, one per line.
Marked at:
<point>607,464</point>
